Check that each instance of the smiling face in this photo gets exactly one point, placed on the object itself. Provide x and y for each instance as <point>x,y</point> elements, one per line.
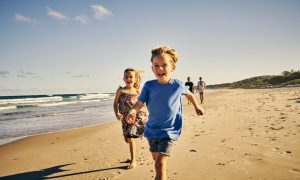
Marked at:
<point>163,68</point>
<point>129,78</point>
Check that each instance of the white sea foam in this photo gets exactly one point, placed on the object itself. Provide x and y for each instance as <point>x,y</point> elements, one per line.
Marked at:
<point>56,104</point>
<point>7,107</point>
<point>30,100</point>
<point>88,101</point>
<point>94,96</point>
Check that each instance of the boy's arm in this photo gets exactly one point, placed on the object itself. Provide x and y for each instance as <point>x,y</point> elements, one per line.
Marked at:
<point>132,113</point>
<point>199,110</point>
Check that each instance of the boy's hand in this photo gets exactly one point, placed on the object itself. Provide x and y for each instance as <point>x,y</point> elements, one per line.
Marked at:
<point>199,110</point>
<point>131,117</point>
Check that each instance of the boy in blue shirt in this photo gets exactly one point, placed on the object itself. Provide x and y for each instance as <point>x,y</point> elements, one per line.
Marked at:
<point>163,99</point>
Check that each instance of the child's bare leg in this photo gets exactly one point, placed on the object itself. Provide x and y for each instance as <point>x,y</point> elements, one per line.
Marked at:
<point>154,155</point>
<point>201,97</point>
<point>132,148</point>
<point>161,166</point>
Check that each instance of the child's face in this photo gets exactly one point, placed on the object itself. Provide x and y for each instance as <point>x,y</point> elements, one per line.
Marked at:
<point>129,78</point>
<point>163,68</point>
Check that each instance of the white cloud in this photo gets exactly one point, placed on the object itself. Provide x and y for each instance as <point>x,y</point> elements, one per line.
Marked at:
<point>24,74</point>
<point>81,76</point>
<point>21,76</point>
<point>82,19</point>
<point>55,14</point>
<point>3,73</point>
<point>24,19</point>
<point>100,12</point>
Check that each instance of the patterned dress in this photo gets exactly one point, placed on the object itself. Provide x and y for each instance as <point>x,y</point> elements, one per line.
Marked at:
<point>126,102</point>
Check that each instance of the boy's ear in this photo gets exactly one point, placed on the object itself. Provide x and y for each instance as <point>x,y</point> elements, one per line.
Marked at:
<point>173,67</point>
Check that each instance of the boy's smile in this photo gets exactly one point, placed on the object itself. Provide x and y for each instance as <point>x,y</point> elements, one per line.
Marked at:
<point>161,75</point>
<point>163,68</point>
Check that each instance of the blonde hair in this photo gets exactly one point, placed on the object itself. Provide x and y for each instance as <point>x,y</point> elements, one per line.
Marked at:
<point>162,50</point>
<point>138,77</point>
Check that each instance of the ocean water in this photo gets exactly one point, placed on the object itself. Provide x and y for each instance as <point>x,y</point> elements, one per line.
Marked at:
<point>27,115</point>
<point>22,116</point>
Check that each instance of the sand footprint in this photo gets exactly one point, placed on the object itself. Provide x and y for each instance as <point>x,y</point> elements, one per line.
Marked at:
<point>271,138</point>
<point>297,171</point>
<point>221,164</point>
<point>286,153</point>
<point>276,128</point>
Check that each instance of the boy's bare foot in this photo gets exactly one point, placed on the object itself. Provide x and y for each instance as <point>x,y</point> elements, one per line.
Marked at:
<point>132,165</point>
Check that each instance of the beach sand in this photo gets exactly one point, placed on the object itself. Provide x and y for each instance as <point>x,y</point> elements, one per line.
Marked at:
<point>244,134</point>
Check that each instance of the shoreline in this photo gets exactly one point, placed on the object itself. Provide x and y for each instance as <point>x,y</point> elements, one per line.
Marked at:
<point>244,134</point>
<point>12,139</point>
<point>39,134</point>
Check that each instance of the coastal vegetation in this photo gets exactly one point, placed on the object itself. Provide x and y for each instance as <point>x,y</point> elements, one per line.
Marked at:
<point>286,79</point>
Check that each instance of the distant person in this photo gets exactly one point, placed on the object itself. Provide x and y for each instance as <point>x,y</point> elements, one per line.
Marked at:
<point>190,84</point>
<point>201,86</point>
<point>163,99</point>
<point>125,98</point>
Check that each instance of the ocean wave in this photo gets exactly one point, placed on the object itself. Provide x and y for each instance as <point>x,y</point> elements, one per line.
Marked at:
<point>7,107</point>
<point>32,101</point>
<point>45,104</point>
<point>15,113</point>
<point>95,96</point>
<point>56,104</point>
<point>26,105</point>
<point>31,114</point>
<point>88,101</point>
<point>20,101</point>
<point>26,116</point>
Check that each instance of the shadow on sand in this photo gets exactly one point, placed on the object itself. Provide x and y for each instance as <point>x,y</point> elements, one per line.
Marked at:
<point>41,174</point>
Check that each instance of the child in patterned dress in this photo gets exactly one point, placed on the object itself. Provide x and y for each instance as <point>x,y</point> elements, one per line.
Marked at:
<point>125,98</point>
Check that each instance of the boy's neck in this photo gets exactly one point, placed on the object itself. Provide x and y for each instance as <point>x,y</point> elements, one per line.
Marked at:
<point>164,82</point>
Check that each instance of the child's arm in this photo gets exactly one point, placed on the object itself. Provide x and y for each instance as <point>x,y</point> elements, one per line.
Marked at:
<point>132,113</point>
<point>199,110</point>
<point>116,102</point>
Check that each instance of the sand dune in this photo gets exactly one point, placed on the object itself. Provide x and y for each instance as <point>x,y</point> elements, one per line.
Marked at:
<point>245,134</point>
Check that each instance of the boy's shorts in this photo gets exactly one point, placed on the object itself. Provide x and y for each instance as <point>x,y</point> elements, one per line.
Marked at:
<point>161,145</point>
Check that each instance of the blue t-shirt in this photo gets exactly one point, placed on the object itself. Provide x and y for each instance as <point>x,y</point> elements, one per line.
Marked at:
<point>165,108</point>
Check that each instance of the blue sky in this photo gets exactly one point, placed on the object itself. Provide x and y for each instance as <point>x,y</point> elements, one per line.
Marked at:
<point>64,46</point>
